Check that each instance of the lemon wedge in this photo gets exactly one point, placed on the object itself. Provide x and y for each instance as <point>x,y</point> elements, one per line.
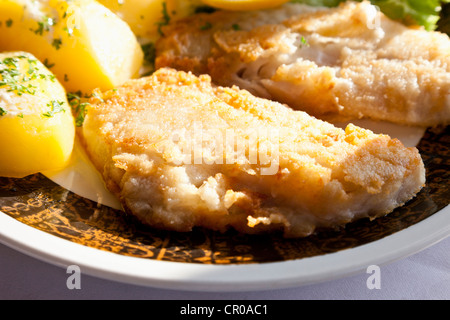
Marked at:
<point>242,5</point>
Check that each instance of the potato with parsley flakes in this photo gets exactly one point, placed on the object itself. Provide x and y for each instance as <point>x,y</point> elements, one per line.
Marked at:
<point>146,17</point>
<point>82,42</point>
<point>37,128</point>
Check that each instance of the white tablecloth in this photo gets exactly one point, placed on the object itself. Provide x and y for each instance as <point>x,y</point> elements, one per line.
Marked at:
<point>424,275</point>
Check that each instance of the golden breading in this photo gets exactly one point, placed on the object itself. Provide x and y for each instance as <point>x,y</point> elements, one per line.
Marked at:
<point>350,61</point>
<point>181,153</point>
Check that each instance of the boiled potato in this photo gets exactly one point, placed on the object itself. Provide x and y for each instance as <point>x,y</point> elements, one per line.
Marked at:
<point>240,5</point>
<point>37,128</point>
<point>82,42</point>
<point>146,16</point>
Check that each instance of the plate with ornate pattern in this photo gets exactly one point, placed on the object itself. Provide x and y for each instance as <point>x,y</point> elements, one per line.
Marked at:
<point>57,223</point>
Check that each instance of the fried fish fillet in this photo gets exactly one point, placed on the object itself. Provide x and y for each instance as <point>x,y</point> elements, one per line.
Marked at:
<point>180,153</point>
<point>345,62</point>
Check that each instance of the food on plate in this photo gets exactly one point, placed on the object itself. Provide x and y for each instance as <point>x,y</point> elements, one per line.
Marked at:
<point>180,152</point>
<point>243,5</point>
<point>36,124</point>
<point>82,42</point>
<point>145,17</point>
<point>334,63</point>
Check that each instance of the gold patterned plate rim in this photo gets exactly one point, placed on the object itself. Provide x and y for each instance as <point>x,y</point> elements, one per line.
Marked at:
<point>42,219</point>
<point>217,278</point>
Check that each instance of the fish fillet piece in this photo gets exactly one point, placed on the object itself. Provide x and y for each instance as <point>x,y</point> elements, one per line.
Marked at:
<point>181,153</point>
<point>335,63</point>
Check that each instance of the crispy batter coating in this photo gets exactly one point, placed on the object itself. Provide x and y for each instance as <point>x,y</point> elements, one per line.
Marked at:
<point>345,62</point>
<point>181,153</point>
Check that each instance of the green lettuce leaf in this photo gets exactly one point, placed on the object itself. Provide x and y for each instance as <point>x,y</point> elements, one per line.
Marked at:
<point>421,12</point>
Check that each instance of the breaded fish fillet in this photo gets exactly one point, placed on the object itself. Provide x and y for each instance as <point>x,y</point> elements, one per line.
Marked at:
<point>350,61</point>
<point>180,153</point>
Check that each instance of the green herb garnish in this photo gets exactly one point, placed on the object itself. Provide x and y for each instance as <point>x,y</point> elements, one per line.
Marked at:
<point>236,27</point>
<point>57,43</point>
<point>13,79</point>
<point>79,108</point>
<point>304,41</point>
<point>165,19</point>
<point>44,25</point>
<point>55,107</point>
<point>149,57</point>
<point>206,26</point>
<point>47,64</point>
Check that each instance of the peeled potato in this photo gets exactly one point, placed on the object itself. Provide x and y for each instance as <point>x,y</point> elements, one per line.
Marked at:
<point>37,128</point>
<point>82,42</point>
<point>146,16</point>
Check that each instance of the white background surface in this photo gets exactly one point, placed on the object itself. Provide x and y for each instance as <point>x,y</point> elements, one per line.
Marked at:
<point>423,275</point>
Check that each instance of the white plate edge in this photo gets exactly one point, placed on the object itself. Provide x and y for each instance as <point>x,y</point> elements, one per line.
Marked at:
<point>201,277</point>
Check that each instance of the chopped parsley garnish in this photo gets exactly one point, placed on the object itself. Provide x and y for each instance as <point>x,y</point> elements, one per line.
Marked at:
<point>55,107</point>
<point>15,76</point>
<point>206,26</point>
<point>44,25</point>
<point>165,19</point>
<point>9,23</point>
<point>79,108</point>
<point>96,96</point>
<point>47,64</point>
<point>57,42</point>
<point>31,65</point>
<point>13,79</point>
<point>149,55</point>
<point>303,41</point>
<point>236,27</point>
<point>69,31</point>
<point>12,62</point>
